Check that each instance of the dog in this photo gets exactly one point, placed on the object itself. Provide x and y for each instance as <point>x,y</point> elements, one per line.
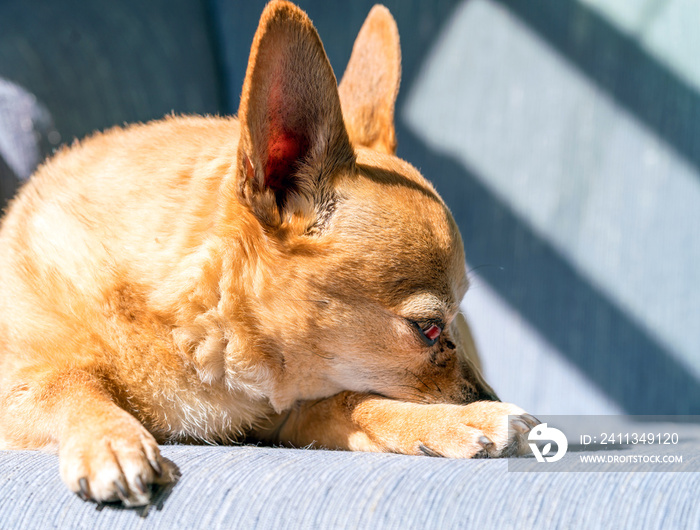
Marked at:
<point>279,276</point>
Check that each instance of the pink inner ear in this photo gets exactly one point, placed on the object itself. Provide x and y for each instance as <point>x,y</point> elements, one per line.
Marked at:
<point>284,151</point>
<point>286,143</point>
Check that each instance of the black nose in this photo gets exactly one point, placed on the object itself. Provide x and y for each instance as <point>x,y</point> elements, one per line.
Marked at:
<point>476,388</point>
<point>485,395</point>
<point>472,393</point>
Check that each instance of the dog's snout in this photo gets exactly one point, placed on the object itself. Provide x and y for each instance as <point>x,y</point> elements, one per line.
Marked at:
<point>471,393</point>
<point>474,387</point>
<point>488,395</point>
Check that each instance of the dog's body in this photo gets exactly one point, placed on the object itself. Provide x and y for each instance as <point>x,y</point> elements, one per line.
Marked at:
<point>281,275</point>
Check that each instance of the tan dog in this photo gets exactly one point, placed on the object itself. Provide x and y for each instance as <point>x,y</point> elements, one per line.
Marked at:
<point>281,276</point>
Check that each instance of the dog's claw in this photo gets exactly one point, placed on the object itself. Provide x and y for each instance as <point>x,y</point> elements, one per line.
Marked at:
<point>530,420</point>
<point>140,485</point>
<point>84,491</point>
<point>156,467</point>
<point>485,443</point>
<point>427,451</point>
<point>122,492</point>
<point>520,426</point>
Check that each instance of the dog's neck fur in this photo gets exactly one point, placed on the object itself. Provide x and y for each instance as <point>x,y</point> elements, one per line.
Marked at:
<point>224,319</point>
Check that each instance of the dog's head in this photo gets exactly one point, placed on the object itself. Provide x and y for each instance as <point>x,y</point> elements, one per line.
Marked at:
<point>364,264</point>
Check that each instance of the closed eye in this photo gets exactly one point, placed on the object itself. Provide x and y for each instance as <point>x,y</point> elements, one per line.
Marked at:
<point>428,332</point>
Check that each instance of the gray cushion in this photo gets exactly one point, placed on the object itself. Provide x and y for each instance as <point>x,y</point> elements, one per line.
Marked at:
<point>255,487</point>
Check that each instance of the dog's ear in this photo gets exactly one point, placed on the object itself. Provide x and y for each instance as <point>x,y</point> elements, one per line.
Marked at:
<point>293,137</point>
<point>371,82</point>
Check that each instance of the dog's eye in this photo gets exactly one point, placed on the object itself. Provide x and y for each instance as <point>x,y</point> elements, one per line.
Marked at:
<point>430,333</point>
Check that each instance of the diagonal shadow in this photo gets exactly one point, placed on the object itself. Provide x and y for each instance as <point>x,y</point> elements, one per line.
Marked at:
<point>619,65</point>
<point>618,356</point>
<point>624,361</point>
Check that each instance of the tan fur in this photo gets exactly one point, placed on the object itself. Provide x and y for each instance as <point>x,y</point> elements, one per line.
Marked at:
<point>208,279</point>
<point>371,82</point>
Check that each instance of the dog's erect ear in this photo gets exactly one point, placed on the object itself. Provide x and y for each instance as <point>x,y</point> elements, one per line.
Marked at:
<point>292,133</point>
<point>371,82</point>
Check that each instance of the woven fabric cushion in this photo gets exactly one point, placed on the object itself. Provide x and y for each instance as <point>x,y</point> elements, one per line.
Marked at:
<point>259,487</point>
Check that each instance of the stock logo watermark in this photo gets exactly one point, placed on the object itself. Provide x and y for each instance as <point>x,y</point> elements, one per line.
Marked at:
<point>611,444</point>
<point>542,433</point>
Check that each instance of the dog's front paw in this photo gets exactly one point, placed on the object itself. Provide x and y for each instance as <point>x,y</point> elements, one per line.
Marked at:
<point>484,429</point>
<point>114,460</point>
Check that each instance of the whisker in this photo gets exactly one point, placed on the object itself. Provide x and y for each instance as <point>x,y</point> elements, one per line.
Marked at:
<point>418,390</point>
<point>325,302</point>
<point>483,266</point>
<point>419,379</point>
<point>417,395</point>
<point>436,385</point>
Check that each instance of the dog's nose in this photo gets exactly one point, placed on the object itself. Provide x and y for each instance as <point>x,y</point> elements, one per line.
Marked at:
<point>476,388</point>
<point>475,392</point>
<point>486,395</point>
